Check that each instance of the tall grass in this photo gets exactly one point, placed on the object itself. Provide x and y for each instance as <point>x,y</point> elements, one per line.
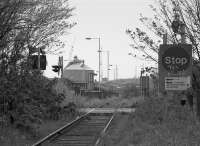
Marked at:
<point>163,121</point>
<point>92,102</point>
<point>158,122</point>
<point>110,102</point>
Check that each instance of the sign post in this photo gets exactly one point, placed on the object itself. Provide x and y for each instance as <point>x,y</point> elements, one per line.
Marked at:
<point>175,67</point>
<point>177,83</point>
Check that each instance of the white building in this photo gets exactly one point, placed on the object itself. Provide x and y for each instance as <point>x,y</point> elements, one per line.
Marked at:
<point>80,74</point>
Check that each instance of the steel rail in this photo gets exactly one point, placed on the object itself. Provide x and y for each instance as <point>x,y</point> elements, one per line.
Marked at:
<point>106,128</point>
<point>108,124</point>
<point>61,129</point>
<point>104,131</point>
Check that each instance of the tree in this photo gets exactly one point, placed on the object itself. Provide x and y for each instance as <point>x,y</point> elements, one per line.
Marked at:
<point>189,16</point>
<point>189,12</point>
<point>27,25</point>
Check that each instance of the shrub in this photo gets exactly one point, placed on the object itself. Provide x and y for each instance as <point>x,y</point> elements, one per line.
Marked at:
<point>130,90</point>
<point>27,99</point>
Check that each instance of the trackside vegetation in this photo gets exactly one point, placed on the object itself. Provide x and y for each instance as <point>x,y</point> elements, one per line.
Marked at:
<point>26,96</point>
<point>33,112</point>
<point>158,121</point>
<point>164,121</point>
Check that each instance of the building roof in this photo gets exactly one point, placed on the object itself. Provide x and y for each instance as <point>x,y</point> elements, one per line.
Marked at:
<point>78,66</point>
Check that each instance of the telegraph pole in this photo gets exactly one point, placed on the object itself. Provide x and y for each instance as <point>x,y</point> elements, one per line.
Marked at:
<point>60,64</point>
<point>108,64</point>
<point>99,63</point>
<point>116,72</point>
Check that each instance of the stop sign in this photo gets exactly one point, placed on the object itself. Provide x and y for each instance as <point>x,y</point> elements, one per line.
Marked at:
<point>175,67</point>
<point>175,59</point>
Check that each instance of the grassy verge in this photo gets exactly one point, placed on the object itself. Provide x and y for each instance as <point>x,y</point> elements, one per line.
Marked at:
<point>10,136</point>
<point>86,102</point>
<point>160,122</point>
<point>111,102</point>
<point>13,137</point>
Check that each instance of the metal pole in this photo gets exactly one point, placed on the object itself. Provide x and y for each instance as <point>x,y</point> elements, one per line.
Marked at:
<point>116,72</point>
<point>99,63</point>
<point>108,67</point>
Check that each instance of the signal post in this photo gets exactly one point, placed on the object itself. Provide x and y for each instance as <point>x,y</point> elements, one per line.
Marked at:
<point>175,60</point>
<point>175,63</point>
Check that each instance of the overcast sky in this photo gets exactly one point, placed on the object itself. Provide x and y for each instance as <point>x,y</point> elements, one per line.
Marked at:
<point>107,19</point>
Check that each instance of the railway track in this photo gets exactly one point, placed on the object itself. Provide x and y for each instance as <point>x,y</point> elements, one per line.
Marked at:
<point>86,130</point>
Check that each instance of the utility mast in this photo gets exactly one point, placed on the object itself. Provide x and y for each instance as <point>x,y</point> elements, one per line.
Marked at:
<point>116,72</point>
<point>71,50</point>
<point>108,64</point>
<point>101,65</point>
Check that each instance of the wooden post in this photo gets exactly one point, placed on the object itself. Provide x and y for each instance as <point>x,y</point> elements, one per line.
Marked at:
<point>165,38</point>
<point>182,29</point>
<point>39,58</point>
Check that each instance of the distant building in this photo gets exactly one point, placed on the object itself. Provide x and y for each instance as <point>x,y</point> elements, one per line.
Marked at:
<point>80,74</point>
<point>104,79</point>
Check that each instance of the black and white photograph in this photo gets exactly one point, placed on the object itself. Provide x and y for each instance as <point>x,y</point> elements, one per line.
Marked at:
<point>99,72</point>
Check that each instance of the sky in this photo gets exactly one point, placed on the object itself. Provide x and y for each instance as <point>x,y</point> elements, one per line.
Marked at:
<point>107,19</point>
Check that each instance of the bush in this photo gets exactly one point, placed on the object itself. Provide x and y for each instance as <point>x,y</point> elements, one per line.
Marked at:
<point>27,99</point>
<point>130,91</point>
